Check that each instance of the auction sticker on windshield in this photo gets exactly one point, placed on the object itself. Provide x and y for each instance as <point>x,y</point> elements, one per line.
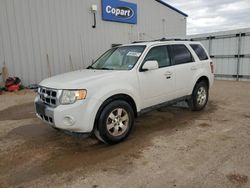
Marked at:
<point>134,54</point>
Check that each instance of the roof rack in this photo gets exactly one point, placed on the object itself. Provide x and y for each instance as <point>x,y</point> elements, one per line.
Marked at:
<point>140,41</point>
<point>172,39</point>
<point>162,40</point>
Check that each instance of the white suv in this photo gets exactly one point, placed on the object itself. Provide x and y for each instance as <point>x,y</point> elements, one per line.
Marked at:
<point>123,83</point>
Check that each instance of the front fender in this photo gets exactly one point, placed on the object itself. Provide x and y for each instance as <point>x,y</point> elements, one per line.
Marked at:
<point>106,92</point>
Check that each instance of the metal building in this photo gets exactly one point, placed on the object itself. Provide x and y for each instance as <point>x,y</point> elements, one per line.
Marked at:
<point>230,51</point>
<point>42,38</point>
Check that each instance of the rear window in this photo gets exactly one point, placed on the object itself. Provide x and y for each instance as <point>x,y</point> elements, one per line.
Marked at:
<point>200,52</point>
<point>181,54</point>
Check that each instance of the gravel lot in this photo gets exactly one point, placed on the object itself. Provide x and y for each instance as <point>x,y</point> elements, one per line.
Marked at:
<point>171,147</point>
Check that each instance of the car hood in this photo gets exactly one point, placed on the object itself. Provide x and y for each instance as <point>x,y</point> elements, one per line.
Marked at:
<point>77,79</point>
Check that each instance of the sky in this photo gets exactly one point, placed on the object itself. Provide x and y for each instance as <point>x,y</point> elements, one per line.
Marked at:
<point>206,16</point>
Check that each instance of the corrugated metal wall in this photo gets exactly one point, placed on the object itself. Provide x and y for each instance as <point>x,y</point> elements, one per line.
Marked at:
<point>39,38</point>
<point>230,51</point>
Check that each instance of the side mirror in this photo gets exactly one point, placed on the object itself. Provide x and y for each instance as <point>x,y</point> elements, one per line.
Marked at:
<point>150,65</point>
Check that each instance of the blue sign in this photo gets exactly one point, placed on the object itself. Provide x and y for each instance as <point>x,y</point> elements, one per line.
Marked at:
<point>119,11</point>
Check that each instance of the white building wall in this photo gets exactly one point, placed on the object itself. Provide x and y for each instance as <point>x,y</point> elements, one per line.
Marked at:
<point>224,47</point>
<point>39,38</point>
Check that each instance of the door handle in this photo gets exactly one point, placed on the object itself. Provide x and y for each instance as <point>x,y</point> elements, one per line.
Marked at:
<point>168,73</point>
<point>193,68</point>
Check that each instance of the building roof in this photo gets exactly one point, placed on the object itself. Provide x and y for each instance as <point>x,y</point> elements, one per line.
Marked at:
<point>171,7</point>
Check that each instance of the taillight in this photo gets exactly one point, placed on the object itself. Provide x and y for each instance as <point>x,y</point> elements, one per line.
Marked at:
<point>212,67</point>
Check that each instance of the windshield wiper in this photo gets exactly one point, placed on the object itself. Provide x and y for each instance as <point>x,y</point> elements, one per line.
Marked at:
<point>90,67</point>
<point>104,68</point>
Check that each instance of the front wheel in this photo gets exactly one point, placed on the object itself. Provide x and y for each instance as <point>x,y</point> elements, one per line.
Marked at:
<point>199,97</point>
<point>115,122</point>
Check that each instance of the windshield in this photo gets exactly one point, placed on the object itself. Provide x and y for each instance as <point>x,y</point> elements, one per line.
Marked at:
<point>120,58</point>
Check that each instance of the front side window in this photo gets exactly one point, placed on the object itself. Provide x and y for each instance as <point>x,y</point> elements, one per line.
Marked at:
<point>159,54</point>
<point>181,54</point>
<point>200,52</point>
<point>120,58</point>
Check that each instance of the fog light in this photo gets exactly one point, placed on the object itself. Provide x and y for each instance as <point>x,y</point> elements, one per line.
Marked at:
<point>68,120</point>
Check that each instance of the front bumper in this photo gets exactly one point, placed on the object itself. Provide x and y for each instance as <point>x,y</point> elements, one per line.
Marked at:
<point>47,115</point>
<point>77,117</point>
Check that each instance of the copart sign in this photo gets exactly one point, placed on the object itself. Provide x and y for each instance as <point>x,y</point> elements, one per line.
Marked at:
<point>119,11</point>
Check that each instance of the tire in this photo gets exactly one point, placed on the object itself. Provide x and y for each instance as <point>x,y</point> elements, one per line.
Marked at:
<point>115,122</point>
<point>199,97</point>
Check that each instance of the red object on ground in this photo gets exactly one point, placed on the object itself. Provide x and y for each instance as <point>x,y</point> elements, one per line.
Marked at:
<point>13,88</point>
<point>12,84</point>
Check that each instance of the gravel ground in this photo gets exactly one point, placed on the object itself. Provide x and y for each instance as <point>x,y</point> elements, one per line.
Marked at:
<point>171,147</point>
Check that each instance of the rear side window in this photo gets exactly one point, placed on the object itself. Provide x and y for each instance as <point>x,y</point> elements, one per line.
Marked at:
<point>159,54</point>
<point>181,54</point>
<point>200,52</point>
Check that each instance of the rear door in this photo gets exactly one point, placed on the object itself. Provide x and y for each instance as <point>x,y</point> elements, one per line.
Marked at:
<point>185,68</point>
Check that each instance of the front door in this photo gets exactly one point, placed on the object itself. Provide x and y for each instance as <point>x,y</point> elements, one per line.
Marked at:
<point>157,86</point>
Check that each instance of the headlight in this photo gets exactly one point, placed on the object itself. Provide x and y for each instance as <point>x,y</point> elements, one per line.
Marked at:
<point>71,96</point>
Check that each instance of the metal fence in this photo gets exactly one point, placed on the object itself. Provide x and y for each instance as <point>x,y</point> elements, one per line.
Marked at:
<point>230,52</point>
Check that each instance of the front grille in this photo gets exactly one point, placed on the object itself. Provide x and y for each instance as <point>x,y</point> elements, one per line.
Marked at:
<point>46,118</point>
<point>48,96</point>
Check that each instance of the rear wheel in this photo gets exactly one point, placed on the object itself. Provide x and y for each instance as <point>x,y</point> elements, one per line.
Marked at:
<point>115,122</point>
<point>199,97</point>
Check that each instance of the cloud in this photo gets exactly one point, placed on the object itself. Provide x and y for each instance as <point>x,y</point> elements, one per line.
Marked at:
<point>214,15</point>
